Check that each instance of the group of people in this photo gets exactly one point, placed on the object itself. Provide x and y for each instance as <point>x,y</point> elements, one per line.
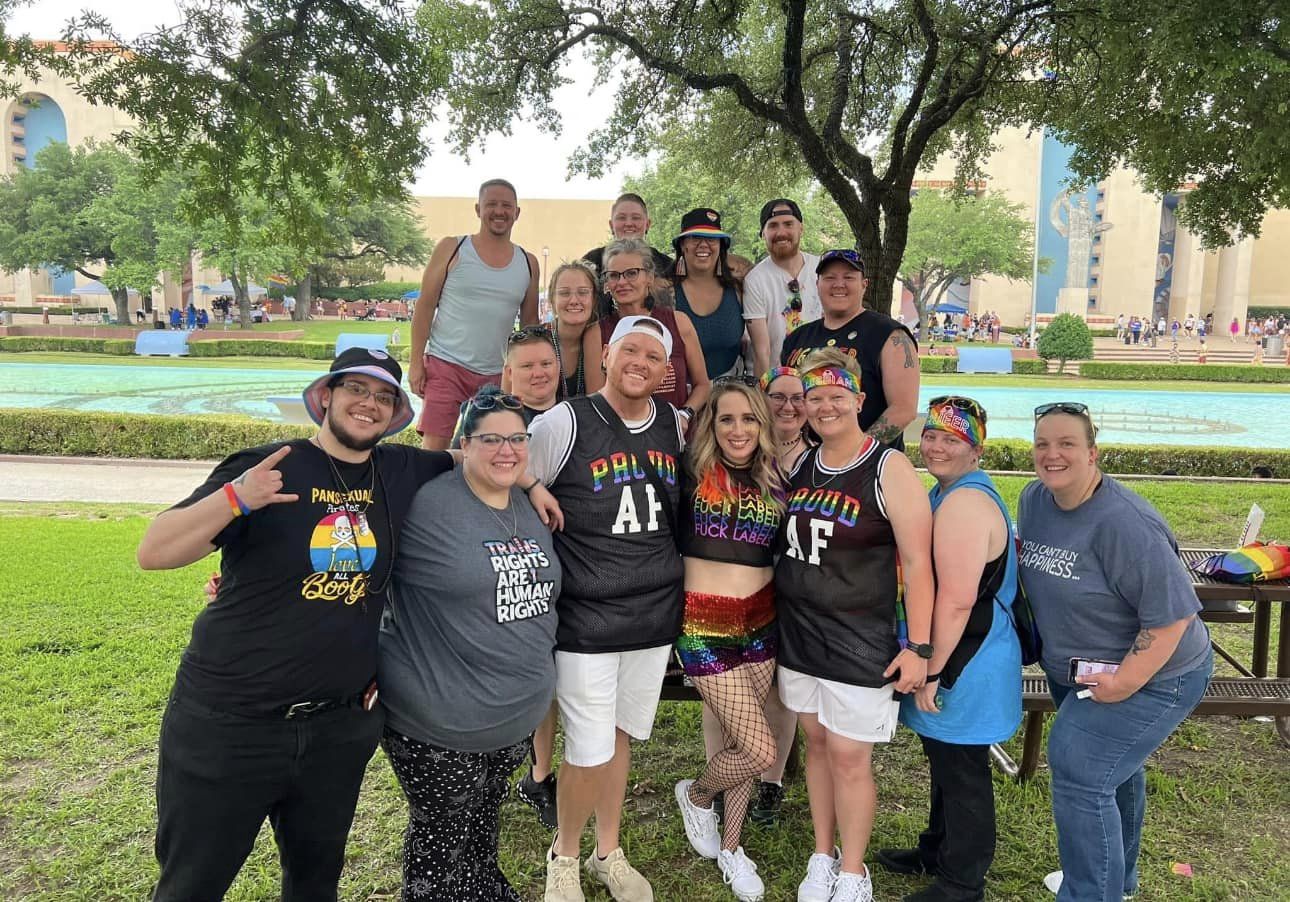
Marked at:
<point>190,318</point>
<point>616,498</point>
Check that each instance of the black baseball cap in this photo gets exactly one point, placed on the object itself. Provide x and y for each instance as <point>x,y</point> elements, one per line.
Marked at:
<point>780,206</point>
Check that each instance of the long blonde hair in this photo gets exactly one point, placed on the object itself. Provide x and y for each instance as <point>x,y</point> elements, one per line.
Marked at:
<point>703,459</point>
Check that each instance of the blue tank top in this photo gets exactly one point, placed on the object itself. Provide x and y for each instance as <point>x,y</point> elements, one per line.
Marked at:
<point>984,704</point>
<point>720,333</point>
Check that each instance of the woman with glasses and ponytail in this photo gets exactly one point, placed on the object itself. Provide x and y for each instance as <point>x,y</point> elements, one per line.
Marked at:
<point>857,537</point>
<point>1127,658</point>
<point>466,669</point>
<point>972,695</point>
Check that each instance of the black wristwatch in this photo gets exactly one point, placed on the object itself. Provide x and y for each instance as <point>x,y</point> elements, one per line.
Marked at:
<point>923,651</point>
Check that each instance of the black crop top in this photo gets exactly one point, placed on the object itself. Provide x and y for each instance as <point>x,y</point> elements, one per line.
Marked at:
<point>737,530</point>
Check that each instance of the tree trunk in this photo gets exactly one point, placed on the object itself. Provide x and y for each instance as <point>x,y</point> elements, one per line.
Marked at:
<point>243,300</point>
<point>304,297</point>
<point>122,298</point>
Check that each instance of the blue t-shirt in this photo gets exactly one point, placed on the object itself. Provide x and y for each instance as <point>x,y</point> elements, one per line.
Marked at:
<point>1101,573</point>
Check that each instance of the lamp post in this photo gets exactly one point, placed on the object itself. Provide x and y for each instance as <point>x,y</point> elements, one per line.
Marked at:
<point>546,252</point>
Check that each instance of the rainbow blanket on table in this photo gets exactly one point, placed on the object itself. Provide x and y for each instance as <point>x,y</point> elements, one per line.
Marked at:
<point>1254,563</point>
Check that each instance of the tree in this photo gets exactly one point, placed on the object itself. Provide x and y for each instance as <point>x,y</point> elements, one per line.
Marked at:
<point>860,92</point>
<point>956,238</point>
<point>91,210</point>
<point>1067,337</point>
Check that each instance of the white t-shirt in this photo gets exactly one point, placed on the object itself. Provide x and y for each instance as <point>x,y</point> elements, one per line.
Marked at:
<point>766,296</point>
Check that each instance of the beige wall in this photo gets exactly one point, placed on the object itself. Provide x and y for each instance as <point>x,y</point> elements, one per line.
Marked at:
<point>566,228</point>
<point>1127,269</point>
<point>1270,270</point>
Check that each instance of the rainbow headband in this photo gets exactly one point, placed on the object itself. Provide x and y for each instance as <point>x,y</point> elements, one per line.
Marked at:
<point>774,373</point>
<point>956,421</point>
<point>830,375</point>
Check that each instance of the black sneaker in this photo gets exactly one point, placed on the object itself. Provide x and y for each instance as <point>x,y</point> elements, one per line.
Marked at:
<point>764,810</point>
<point>904,861</point>
<point>538,796</point>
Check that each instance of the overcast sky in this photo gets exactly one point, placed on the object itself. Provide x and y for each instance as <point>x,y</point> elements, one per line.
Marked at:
<point>535,162</point>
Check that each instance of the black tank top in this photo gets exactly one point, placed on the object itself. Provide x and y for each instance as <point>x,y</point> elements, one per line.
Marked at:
<point>980,619</point>
<point>739,530</point>
<point>835,583</point>
<point>622,573</point>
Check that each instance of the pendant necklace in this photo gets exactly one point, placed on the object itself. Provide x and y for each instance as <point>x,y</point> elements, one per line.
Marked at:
<point>510,506</point>
<point>816,465</point>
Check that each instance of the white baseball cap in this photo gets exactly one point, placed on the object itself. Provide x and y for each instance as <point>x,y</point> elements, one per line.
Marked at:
<point>643,325</point>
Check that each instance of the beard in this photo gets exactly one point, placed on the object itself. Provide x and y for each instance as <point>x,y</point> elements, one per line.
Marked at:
<point>349,439</point>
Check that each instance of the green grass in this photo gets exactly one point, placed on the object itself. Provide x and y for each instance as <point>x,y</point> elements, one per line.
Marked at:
<point>1074,383</point>
<point>89,648</point>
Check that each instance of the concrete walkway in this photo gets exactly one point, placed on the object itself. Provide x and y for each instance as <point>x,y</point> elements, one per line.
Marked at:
<point>34,478</point>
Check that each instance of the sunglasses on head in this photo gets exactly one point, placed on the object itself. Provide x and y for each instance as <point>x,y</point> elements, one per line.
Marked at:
<point>1074,408</point>
<point>492,402</point>
<point>960,402</point>
<point>745,379</point>
<point>527,332</point>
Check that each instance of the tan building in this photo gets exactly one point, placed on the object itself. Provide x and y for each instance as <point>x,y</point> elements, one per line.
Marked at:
<point>1140,262</point>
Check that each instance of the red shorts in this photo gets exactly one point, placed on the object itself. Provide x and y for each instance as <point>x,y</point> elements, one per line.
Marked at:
<point>446,386</point>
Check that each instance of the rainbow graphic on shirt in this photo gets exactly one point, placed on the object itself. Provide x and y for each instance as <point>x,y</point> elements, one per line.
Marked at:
<point>744,516</point>
<point>342,542</point>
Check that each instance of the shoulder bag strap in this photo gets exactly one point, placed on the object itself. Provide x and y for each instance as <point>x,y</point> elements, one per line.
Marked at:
<point>632,442</point>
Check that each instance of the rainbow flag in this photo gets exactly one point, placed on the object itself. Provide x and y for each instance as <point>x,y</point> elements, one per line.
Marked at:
<point>279,281</point>
<point>1254,563</point>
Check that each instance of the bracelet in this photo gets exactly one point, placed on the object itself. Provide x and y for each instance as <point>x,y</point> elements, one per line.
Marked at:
<point>932,678</point>
<point>239,508</point>
<point>531,486</point>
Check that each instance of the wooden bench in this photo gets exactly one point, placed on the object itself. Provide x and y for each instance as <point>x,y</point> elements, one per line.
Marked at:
<point>1238,696</point>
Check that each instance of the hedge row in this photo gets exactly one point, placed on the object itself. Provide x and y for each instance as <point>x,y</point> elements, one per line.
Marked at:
<point>59,432</point>
<point>379,291</point>
<point>1187,372</point>
<point>120,347</point>
<point>1026,366</point>
<point>56,309</point>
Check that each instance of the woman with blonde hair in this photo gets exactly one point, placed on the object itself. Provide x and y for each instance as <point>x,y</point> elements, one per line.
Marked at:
<point>858,524</point>
<point>733,501</point>
<point>573,293</point>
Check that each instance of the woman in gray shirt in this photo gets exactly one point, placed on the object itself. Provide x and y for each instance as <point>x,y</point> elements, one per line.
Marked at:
<point>466,666</point>
<point>1127,659</point>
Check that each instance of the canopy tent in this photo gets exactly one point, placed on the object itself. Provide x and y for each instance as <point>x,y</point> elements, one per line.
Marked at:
<point>226,287</point>
<point>949,307</point>
<point>413,295</point>
<point>95,288</point>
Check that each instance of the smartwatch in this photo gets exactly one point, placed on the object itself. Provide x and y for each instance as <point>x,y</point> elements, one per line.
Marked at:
<point>924,651</point>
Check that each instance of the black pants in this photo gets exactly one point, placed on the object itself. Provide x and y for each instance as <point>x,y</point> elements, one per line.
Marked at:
<point>959,840</point>
<point>220,774</point>
<point>450,847</point>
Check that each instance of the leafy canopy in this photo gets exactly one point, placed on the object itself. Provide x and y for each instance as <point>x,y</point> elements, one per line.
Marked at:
<point>1067,337</point>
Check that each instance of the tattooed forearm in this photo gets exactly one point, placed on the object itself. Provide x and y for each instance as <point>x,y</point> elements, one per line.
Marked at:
<point>901,340</point>
<point>1143,641</point>
<point>884,431</point>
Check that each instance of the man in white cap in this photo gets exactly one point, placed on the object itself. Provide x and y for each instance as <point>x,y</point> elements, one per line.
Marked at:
<point>611,460</point>
<point>273,713</point>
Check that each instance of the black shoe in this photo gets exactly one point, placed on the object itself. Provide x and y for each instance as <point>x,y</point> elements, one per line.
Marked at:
<point>938,892</point>
<point>904,861</point>
<point>765,810</point>
<point>539,796</point>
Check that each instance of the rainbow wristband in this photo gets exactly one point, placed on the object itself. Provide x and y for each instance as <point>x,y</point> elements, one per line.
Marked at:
<point>239,509</point>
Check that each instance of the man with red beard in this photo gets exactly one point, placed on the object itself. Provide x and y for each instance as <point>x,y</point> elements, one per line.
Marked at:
<point>273,712</point>
<point>779,293</point>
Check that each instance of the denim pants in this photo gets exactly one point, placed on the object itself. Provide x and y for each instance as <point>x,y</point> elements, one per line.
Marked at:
<point>1097,754</point>
<point>221,774</point>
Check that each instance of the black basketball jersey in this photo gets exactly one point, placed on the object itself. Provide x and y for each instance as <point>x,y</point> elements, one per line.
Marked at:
<point>622,572</point>
<point>836,584</point>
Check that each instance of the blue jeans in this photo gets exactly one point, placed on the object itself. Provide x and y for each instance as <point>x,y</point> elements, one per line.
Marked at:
<point>1097,754</point>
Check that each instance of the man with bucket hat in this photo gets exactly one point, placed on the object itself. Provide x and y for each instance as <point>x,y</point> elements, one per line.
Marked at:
<point>273,712</point>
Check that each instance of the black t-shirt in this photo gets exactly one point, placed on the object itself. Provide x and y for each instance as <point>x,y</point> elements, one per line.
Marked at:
<point>295,618</point>
<point>738,529</point>
<point>863,338</point>
<point>662,267</point>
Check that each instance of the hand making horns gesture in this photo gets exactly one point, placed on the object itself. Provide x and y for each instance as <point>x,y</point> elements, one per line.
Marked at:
<point>261,485</point>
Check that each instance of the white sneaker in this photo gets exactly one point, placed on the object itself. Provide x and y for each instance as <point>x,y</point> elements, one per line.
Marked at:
<point>740,874</point>
<point>1053,883</point>
<point>821,873</point>
<point>852,887</point>
<point>700,823</point>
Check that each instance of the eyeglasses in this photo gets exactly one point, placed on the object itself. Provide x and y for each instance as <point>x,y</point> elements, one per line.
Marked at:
<point>779,399</point>
<point>1074,408</point>
<point>493,440</point>
<point>960,402</point>
<point>567,293</point>
<point>492,402</point>
<point>627,275</point>
<point>528,333</point>
<point>359,390</point>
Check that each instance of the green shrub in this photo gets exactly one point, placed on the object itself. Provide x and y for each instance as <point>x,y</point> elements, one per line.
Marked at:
<point>1030,366</point>
<point>261,347</point>
<point>1066,338</point>
<point>56,309</point>
<point>121,347</point>
<point>1258,311</point>
<point>378,291</point>
<point>950,364</point>
<point>1188,372</point>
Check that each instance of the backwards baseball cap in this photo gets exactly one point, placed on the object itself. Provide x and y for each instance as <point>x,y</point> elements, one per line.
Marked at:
<point>780,206</point>
<point>643,325</point>
<point>849,257</point>
<point>701,223</point>
<point>366,362</point>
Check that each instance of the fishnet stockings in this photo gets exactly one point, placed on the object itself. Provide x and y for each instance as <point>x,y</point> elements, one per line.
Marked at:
<point>738,698</point>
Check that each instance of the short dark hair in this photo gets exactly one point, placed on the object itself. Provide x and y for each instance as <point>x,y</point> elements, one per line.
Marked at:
<point>498,183</point>
<point>1261,472</point>
<point>471,414</point>
<point>633,198</point>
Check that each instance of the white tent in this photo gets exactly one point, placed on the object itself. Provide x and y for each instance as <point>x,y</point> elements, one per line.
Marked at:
<point>226,287</point>
<point>95,288</point>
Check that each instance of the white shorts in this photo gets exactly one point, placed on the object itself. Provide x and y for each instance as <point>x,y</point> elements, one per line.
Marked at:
<point>604,692</point>
<point>855,712</point>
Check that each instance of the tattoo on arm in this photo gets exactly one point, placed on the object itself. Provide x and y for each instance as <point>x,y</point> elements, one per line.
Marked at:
<point>901,340</point>
<point>1142,641</point>
<point>883,431</point>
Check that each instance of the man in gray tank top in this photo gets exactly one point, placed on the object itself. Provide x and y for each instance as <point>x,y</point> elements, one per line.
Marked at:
<point>471,291</point>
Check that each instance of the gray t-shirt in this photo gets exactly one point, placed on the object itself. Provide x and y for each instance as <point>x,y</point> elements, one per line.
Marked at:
<point>1098,575</point>
<point>467,644</point>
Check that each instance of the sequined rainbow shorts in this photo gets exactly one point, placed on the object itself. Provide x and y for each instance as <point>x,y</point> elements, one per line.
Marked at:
<point>721,632</point>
